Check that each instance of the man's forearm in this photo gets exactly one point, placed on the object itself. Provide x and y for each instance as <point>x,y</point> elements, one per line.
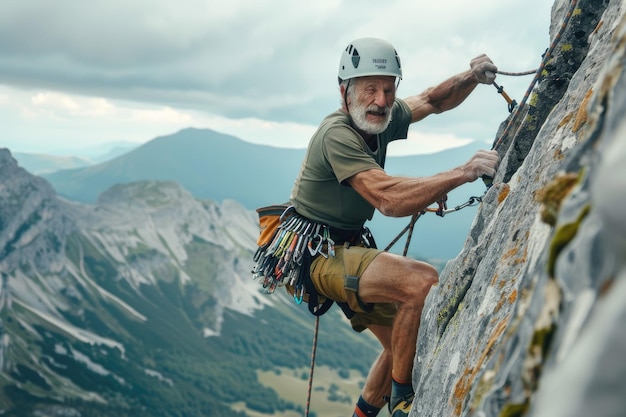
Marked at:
<point>452,92</point>
<point>401,196</point>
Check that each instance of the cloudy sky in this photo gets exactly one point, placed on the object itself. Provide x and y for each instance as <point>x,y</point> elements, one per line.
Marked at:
<point>75,74</point>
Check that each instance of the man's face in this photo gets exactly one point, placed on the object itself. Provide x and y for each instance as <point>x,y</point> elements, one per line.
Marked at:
<point>370,102</point>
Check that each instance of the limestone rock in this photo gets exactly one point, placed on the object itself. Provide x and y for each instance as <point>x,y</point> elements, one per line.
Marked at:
<point>529,318</point>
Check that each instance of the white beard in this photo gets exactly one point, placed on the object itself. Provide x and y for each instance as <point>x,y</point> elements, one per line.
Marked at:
<point>359,116</point>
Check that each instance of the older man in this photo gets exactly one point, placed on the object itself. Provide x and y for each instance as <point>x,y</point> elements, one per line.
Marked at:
<point>342,181</point>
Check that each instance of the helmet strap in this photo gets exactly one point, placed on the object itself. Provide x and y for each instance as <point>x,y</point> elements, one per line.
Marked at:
<point>345,94</point>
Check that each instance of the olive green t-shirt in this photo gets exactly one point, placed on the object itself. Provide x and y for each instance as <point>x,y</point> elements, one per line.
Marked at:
<point>336,152</point>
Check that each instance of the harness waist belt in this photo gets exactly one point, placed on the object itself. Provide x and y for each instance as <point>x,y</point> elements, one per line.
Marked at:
<point>341,236</point>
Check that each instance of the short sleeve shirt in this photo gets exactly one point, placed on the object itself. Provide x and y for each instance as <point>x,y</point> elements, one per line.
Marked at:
<point>336,152</point>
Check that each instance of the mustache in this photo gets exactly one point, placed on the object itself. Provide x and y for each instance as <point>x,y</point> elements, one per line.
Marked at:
<point>378,109</point>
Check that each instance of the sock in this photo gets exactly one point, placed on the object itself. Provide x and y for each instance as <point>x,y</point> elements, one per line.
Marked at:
<point>364,409</point>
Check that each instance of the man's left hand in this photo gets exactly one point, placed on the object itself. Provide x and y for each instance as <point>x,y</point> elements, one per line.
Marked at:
<point>483,69</point>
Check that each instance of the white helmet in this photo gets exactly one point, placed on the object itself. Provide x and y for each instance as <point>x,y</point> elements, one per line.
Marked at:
<point>369,56</point>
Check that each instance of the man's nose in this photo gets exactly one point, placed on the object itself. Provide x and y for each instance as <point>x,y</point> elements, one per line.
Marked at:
<point>380,98</point>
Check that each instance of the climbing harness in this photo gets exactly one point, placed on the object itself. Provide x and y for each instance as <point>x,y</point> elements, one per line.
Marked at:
<point>288,243</point>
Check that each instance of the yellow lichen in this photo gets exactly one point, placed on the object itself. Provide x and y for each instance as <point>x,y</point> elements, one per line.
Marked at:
<point>562,237</point>
<point>509,253</point>
<point>534,98</point>
<point>553,194</point>
<point>465,382</point>
<point>567,47</point>
<point>504,193</point>
<point>558,155</point>
<point>522,259</point>
<point>494,279</point>
<point>582,115</point>
<point>598,26</point>
<point>514,410</point>
<point>566,120</point>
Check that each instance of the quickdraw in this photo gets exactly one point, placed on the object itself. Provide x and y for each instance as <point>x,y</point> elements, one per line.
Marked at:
<point>280,263</point>
<point>442,210</point>
<point>511,102</point>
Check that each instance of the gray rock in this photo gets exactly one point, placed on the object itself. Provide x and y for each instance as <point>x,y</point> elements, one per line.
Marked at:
<point>529,318</point>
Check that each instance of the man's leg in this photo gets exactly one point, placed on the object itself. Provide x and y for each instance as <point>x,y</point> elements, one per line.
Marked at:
<point>401,280</point>
<point>378,384</point>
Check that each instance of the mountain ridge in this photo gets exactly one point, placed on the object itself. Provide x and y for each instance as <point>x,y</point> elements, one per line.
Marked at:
<point>140,304</point>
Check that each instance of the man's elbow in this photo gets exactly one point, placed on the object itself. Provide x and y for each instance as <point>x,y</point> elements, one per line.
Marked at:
<point>389,209</point>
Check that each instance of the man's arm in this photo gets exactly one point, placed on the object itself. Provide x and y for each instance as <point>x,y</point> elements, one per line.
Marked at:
<point>453,91</point>
<point>402,196</point>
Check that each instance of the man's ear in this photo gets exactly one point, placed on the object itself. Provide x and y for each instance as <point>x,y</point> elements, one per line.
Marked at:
<point>344,97</point>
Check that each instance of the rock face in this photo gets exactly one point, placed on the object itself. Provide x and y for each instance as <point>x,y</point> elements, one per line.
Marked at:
<point>530,319</point>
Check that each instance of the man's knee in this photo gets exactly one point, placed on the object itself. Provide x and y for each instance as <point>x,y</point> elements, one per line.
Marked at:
<point>430,275</point>
<point>424,276</point>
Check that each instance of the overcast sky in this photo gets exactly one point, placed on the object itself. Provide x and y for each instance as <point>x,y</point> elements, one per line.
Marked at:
<point>75,73</point>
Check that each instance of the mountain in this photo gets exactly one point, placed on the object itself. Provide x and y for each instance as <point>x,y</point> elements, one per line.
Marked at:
<point>119,148</point>
<point>39,164</point>
<point>206,163</point>
<point>142,304</point>
<point>217,166</point>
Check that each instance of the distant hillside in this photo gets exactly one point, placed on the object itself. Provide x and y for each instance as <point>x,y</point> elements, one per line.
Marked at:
<point>39,164</point>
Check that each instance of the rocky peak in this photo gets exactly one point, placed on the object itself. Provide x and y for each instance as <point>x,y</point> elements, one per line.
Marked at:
<point>31,225</point>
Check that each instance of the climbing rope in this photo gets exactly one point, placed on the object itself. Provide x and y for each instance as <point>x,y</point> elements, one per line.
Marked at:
<point>512,106</point>
<point>517,74</point>
<point>313,354</point>
<point>441,211</point>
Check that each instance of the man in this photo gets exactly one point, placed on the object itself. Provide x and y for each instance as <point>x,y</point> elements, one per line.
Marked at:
<point>342,182</point>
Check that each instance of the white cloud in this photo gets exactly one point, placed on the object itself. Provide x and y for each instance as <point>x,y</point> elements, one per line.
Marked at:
<point>55,101</point>
<point>163,115</point>
<point>425,143</point>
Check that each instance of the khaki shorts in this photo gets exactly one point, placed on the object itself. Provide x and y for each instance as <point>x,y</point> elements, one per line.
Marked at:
<point>328,275</point>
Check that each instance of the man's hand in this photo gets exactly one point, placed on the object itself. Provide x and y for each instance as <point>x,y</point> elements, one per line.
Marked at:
<point>483,69</point>
<point>482,163</point>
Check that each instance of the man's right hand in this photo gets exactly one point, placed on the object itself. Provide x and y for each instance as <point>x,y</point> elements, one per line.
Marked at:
<point>482,163</point>
<point>483,69</point>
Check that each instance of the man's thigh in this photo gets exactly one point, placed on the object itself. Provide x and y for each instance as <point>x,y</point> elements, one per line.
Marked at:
<point>392,278</point>
<point>328,274</point>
